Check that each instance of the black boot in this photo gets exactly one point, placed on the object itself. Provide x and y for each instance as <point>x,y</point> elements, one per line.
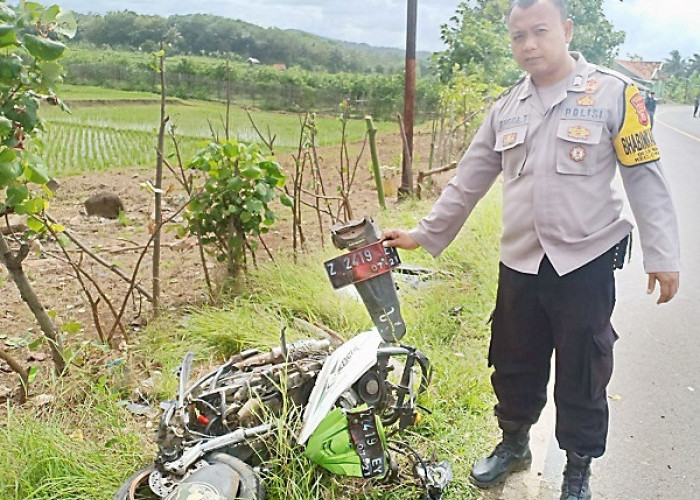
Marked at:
<point>510,455</point>
<point>576,474</point>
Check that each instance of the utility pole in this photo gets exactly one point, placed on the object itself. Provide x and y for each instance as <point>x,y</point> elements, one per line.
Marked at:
<point>409,99</point>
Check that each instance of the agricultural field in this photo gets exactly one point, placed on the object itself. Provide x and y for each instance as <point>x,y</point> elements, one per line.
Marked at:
<point>114,129</point>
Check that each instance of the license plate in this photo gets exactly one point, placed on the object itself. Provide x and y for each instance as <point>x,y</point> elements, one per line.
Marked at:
<point>364,435</point>
<point>361,264</point>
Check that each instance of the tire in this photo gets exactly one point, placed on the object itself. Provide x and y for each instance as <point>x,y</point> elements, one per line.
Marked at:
<point>251,487</point>
<point>142,491</point>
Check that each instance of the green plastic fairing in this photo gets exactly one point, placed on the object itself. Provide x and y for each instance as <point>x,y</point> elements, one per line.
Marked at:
<point>330,445</point>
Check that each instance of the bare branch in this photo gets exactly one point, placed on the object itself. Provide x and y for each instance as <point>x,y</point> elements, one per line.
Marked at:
<point>132,283</point>
<point>111,266</point>
<point>19,370</point>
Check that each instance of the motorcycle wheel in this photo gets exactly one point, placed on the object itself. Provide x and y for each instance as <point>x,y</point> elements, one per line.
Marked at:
<point>139,482</point>
<point>251,487</point>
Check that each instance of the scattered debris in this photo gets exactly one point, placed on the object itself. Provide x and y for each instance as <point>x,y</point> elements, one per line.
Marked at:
<point>44,399</point>
<point>36,356</point>
<point>416,276</point>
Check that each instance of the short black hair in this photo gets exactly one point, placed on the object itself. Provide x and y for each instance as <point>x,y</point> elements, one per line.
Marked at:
<point>524,4</point>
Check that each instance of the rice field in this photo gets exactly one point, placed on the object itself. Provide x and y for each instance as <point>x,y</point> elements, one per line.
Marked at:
<point>106,131</point>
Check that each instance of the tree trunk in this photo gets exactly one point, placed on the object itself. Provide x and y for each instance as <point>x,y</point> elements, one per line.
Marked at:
<point>13,263</point>
<point>158,186</point>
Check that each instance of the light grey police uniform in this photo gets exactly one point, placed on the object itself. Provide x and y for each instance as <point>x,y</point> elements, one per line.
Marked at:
<point>558,165</point>
<point>561,225</point>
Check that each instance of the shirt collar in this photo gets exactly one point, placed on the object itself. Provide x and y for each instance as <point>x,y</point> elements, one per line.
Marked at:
<point>579,77</point>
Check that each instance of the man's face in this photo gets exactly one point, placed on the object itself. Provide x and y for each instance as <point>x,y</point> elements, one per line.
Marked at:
<point>539,41</point>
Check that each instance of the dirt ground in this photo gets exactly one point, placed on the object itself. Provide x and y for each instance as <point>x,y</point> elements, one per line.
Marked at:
<point>120,242</point>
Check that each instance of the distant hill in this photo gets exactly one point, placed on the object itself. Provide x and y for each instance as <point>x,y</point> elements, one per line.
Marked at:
<point>205,34</point>
<point>365,47</point>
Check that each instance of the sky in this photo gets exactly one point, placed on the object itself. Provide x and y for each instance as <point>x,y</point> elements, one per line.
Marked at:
<point>653,27</point>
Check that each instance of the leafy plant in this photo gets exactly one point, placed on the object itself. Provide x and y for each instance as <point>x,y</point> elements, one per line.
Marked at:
<point>28,70</point>
<point>234,202</point>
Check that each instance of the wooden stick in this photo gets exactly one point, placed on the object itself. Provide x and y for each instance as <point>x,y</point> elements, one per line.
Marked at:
<point>319,330</point>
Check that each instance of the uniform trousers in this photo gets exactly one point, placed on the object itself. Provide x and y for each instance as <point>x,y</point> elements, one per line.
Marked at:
<point>537,314</point>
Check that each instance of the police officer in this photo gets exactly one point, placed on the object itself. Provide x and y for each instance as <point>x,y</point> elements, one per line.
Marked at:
<point>557,137</point>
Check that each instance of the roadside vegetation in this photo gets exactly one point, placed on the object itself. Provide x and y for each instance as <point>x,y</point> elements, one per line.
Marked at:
<point>263,86</point>
<point>682,78</point>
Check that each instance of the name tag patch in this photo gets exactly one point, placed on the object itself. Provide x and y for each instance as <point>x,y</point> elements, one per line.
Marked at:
<point>585,112</point>
<point>512,121</point>
<point>635,143</point>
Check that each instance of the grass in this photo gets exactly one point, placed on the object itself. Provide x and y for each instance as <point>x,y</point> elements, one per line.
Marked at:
<point>102,136</point>
<point>84,444</point>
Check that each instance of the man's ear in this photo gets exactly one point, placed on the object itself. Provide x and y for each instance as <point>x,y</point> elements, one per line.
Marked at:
<point>568,30</point>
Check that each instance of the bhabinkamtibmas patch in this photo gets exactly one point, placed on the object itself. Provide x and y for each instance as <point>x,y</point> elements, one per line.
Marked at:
<point>635,143</point>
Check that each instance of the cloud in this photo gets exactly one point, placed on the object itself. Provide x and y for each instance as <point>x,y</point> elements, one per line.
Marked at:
<point>376,22</point>
<point>656,28</point>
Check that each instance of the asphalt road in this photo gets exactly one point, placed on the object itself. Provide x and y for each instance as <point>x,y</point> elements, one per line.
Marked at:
<point>654,443</point>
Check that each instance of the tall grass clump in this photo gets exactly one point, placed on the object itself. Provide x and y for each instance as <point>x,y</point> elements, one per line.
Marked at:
<point>53,457</point>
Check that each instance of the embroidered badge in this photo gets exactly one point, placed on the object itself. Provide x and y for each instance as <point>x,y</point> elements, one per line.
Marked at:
<point>578,132</point>
<point>591,86</point>
<point>586,101</point>
<point>578,154</point>
<point>638,102</point>
<point>509,139</point>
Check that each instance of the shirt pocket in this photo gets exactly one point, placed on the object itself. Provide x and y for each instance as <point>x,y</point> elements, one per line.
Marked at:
<point>578,144</point>
<point>511,144</point>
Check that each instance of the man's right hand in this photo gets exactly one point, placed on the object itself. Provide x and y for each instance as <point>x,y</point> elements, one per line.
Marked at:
<point>399,238</point>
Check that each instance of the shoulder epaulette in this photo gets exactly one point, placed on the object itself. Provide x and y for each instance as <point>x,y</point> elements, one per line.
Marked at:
<point>510,89</point>
<point>627,80</point>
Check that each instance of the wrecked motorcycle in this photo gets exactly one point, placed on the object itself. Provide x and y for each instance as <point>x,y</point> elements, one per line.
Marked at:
<point>214,435</point>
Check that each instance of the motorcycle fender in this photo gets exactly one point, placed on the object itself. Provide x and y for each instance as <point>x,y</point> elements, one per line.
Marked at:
<point>343,368</point>
<point>214,482</point>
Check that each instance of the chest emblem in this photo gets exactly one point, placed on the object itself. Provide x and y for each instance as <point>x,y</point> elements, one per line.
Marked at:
<point>578,132</point>
<point>586,101</point>
<point>509,139</point>
<point>591,86</point>
<point>578,154</point>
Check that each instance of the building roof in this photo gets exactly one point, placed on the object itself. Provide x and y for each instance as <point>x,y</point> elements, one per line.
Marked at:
<point>644,70</point>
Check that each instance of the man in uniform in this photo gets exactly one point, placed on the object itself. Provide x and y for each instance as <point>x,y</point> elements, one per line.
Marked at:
<point>650,103</point>
<point>557,137</point>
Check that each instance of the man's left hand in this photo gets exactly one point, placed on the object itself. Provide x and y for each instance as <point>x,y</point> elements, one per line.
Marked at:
<point>668,285</point>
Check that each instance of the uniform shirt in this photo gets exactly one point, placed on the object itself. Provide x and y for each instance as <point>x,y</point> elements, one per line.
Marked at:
<point>558,164</point>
